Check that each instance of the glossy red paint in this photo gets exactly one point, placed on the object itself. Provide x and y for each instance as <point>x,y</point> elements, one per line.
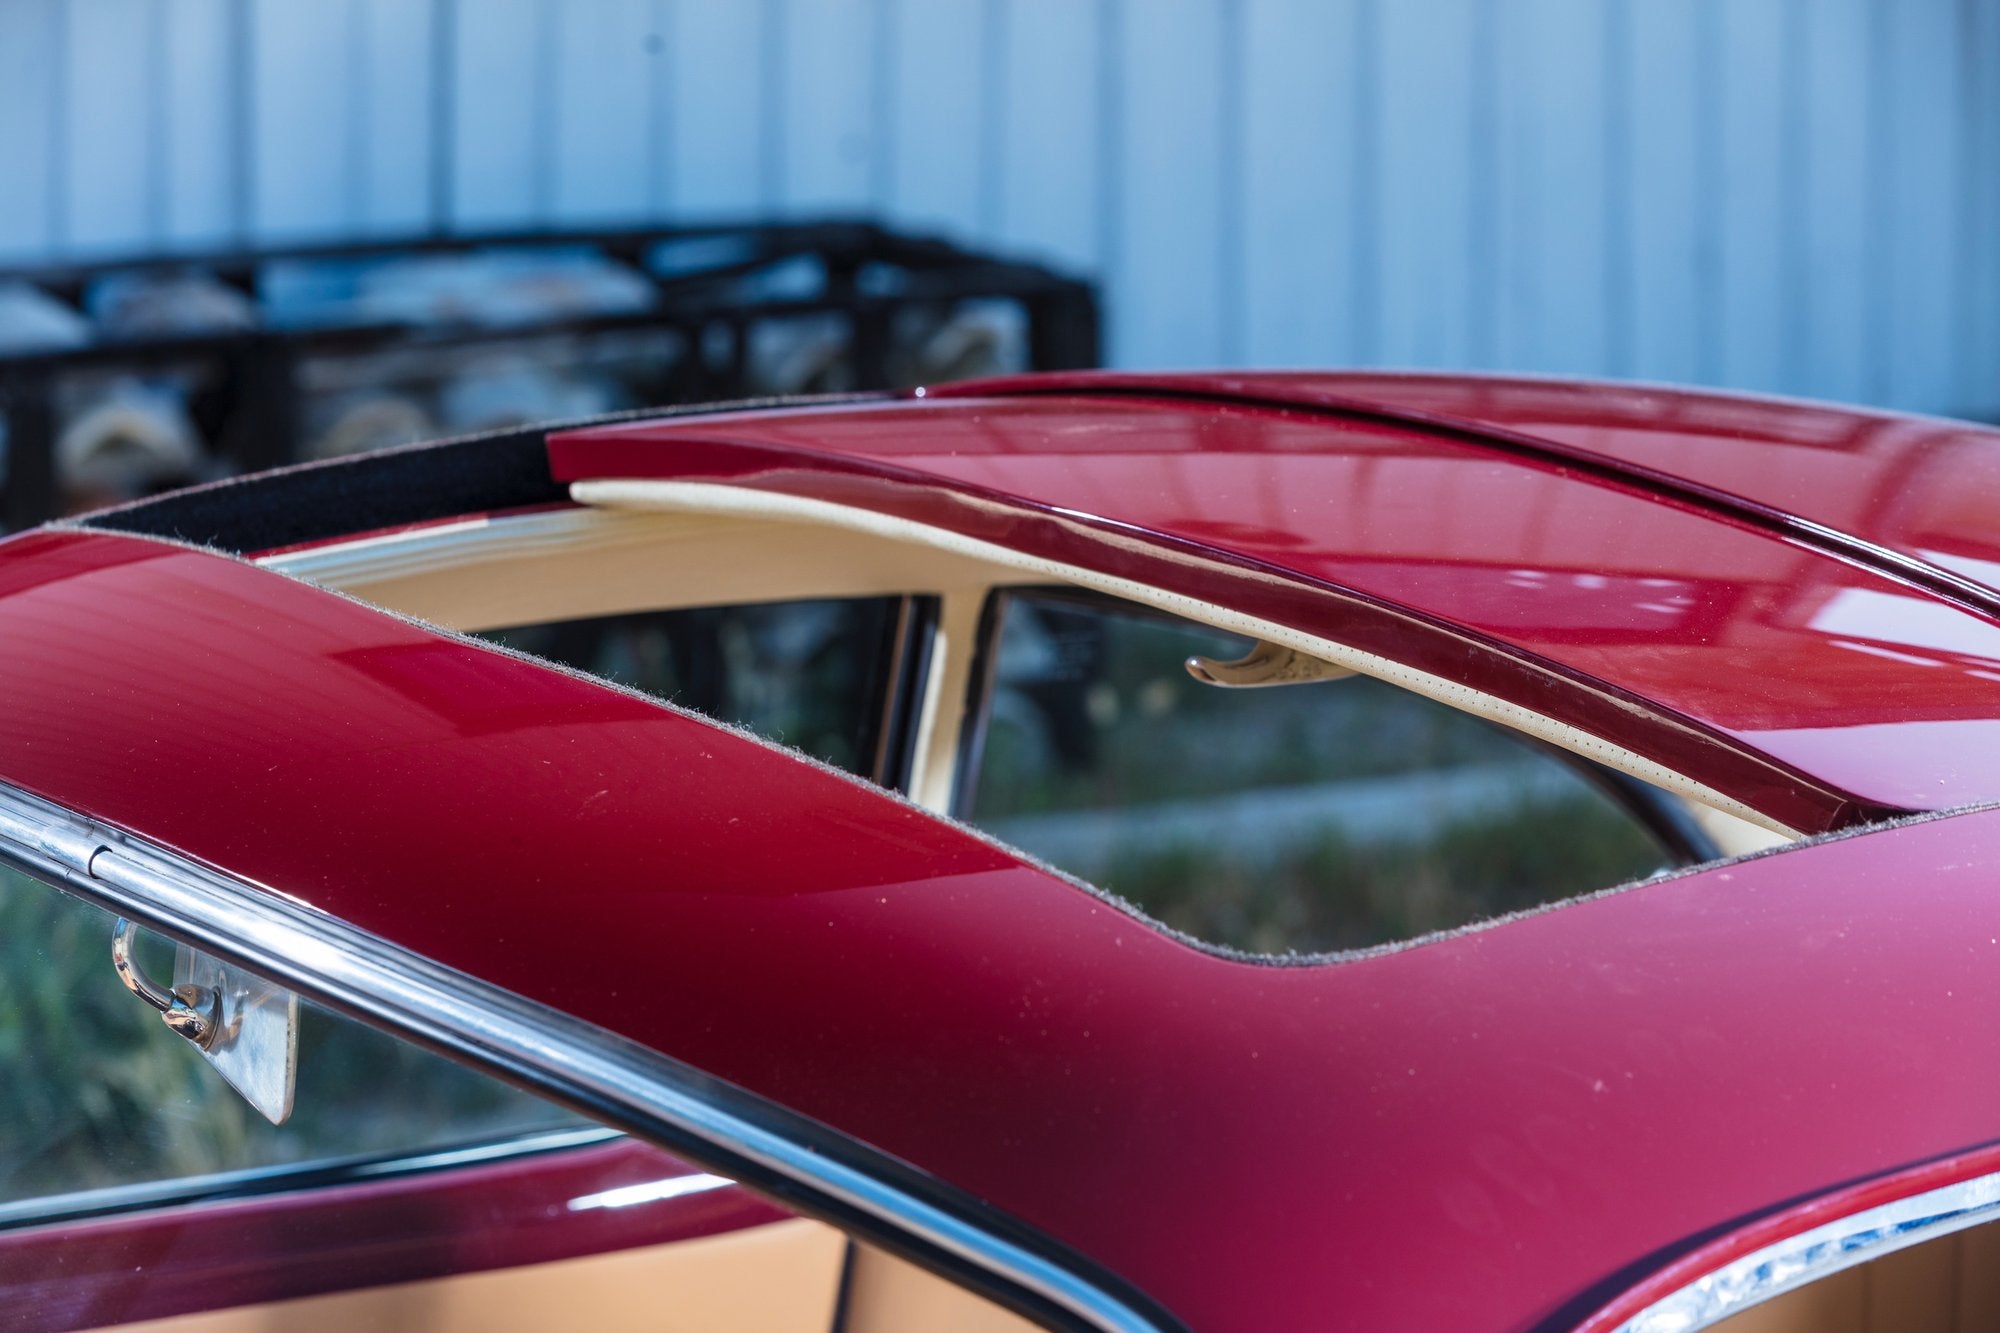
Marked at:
<point>1777,672</point>
<point>1925,487</point>
<point>1917,493</point>
<point>281,1246</point>
<point>1495,1130</point>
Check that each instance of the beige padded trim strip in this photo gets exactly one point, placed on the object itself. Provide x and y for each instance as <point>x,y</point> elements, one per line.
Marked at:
<point>934,775</point>
<point>708,498</point>
<point>524,569</point>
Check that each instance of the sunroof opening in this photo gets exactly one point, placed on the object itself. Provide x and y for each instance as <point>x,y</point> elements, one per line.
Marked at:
<point>820,676</point>
<point>1329,814</point>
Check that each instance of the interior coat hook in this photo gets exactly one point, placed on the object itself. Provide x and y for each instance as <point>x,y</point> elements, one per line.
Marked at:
<point>1265,664</point>
<point>189,1010</point>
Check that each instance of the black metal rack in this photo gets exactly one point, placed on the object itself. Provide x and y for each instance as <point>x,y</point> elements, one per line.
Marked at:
<point>249,415</point>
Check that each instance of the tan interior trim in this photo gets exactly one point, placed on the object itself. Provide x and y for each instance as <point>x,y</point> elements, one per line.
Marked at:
<point>780,1278</point>
<point>1733,836</point>
<point>703,498</point>
<point>887,1295</point>
<point>565,564</point>
<point>934,771</point>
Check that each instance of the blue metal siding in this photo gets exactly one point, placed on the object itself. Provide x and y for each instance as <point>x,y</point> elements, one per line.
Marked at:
<point>1792,195</point>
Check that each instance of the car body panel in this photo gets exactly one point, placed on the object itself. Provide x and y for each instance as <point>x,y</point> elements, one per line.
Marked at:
<point>1499,1128</point>
<point>1919,494</point>
<point>1780,673</point>
<point>1926,487</point>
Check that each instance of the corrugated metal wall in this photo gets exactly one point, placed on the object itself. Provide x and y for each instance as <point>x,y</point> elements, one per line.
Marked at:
<point>1795,195</point>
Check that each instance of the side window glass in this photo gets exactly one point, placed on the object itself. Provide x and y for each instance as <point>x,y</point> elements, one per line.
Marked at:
<point>1330,815</point>
<point>96,1093</point>
<point>117,1139</point>
<point>825,677</point>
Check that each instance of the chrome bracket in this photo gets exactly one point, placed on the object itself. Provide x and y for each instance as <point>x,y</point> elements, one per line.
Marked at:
<point>245,1027</point>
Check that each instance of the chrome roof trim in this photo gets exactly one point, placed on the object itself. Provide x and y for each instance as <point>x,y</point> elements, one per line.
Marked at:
<point>576,1062</point>
<point>398,554</point>
<point>1797,1261</point>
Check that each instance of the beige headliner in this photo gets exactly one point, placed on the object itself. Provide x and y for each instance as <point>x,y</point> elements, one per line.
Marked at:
<point>561,564</point>
<point>521,569</point>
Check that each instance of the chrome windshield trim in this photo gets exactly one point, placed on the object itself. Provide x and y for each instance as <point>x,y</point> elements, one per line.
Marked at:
<point>585,1066</point>
<point>1797,1261</point>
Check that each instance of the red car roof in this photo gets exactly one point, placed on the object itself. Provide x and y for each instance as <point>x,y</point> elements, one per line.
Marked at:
<point>1923,487</point>
<point>1483,532</point>
<point>1496,1129</point>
